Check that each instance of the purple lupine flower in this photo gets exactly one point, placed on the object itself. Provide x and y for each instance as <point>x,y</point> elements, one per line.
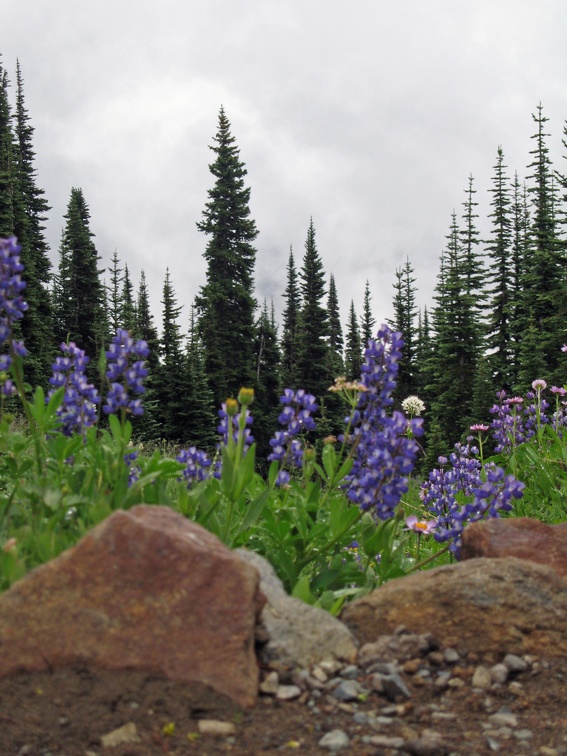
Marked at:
<point>508,429</point>
<point>123,375</point>
<point>227,419</point>
<point>78,408</point>
<point>386,449</point>
<point>133,470</point>
<point>196,464</point>
<point>295,418</point>
<point>443,494</point>
<point>12,305</point>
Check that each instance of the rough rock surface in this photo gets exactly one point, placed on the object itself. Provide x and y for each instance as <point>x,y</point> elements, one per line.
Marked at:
<point>299,635</point>
<point>521,537</point>
<point>145,590</point>
<point>507,605</point>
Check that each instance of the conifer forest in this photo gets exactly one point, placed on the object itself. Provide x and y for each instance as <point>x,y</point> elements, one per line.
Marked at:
<point>498,318</point>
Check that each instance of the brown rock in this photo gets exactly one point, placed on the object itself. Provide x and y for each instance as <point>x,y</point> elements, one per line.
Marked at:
<point>507,605</point>
<point>145,590</point>
<point>521,537</point>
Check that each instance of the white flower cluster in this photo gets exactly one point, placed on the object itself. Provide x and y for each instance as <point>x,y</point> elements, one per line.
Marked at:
<point>413,406</point>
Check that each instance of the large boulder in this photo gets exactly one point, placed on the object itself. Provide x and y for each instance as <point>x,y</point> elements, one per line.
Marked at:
<point>145,590</point>
<point>522,537</point>
<point>296,634</point>
<point>502,605</point>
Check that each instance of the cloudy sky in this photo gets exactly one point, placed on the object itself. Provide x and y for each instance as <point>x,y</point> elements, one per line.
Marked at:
<point>367,115</point>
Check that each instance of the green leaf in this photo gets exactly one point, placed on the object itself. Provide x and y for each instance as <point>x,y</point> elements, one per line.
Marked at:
<point>302,591</point>
<point>253,511</point>
<point>329,460</point>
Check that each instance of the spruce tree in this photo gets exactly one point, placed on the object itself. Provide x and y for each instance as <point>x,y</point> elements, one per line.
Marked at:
<point>113,294</point>
<point>127,304</point>
<point>171,381</point>
<point>367,322</point>
<point>6,160</point>
<point>313,346</point>
<point>336,341</point>
<point>226,303</point>
<point>291,316</point>
<point>147,427</point>
<point>405,314</point>
<point>79,302</point>
<point>501,278</point>
<point>353,347</point>
<point>29,211</point>
<point>199,413</point>
<point>266,406</point>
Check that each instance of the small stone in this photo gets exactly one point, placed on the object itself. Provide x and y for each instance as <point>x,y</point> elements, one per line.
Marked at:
<point>347,690</point>
<point>270,684</point>
<point>360,717</point>
<point>516,688</point>
<point>451,656</point>
<point>287,692</point>
<point>523,734</point>
<point>515,663</point>
<point>503,719</point>
<point>215,727</point>
<point>319,674</point>
<point>499,673</point>
<point>494,745</point>
<point>335,740</point>
<point>547,751</point>
<point>128,733</point>
<point>481,678</point>
<point>350,672</point>
<point>330,666</point>
<point>436,658</point>
<point>411,666</point>
<point>456,682</point>
<point>383,741</point>
<point>391,685</point>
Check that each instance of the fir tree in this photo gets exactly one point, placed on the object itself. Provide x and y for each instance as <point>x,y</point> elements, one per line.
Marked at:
<point>127,304</point>
<point>6,160</point>
<point>501,287</point>
<point>353,348</point>
<point>79,302</point>
<point>171,380</point>
<point>405,313</point>
<point>113,296</point>
<point>29,210</point>
<point>367,322</point>
<point>268,387</point>
<point>291,316</point>
<point>336,341</point>
<point>226,304</point>
<point>313,334</point>
<point>199,413</point>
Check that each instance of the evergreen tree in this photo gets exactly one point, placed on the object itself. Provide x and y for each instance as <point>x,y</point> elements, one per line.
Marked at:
<point>336,341</point>
<point>544,287</point>
<point>199,415</point>
<point>501,287</point>
<point>29,211</point>
<point>226,304</point>
<point>353,347</point>
<point>79,301</point>
<point>473,269</point>
<point>113,296</point>
<point>457,344</point>
<point>6,159</point>
<point>367,323</point>
<point>127,304</point>
<point>405,313</point>
<point>313,333</point>
<point>268,386</point>
<point>521,246</point>
<point>291,316</point>
<point>171,380</point>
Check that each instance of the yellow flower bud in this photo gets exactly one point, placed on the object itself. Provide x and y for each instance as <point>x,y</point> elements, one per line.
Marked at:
<point>231,407</point>
<point>246,396</point>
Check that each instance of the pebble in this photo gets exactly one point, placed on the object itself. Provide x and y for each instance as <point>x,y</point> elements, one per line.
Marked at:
<point>215,727</point>
<point>523,734</point>
<point>482,678</point>
<point>347,690</point>
<point>383,741</point>
<point>335,740</point>
<point>515,663</point>
<point>503,719</point>
<point>287,692</point>
<point>270,684</point>
<point>499,673</point>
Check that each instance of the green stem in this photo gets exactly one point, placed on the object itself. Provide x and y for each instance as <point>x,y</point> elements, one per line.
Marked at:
<point>419,565</point>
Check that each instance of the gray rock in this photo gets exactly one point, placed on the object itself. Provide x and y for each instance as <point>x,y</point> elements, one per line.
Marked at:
<point>515,663</point>
<point>392,686</point>
<point>482,678</point>
<point>347,690</point>
<point>299,635</point>
<point>383,741</point>
<point>335,740</point>
<point>503,719</point>
<point>499,673</point>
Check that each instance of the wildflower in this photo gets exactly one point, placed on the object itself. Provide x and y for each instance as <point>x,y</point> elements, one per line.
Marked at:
<point>385,451</point>
<point>558,390</point>
<point>564,348</point>
<point>78,408</point>
<point>123,375</point>
<point>12,306</point>
<point>196,464</point>
<point>508,428</point>
<point>539,384</point>
<point>413,406</point>
<point>229,409</point>
<point>479,427</point>
<point>295,418</point>
<point>422,527</point>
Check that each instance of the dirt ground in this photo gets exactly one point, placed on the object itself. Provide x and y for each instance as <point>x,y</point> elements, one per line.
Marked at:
<point>67,712</point>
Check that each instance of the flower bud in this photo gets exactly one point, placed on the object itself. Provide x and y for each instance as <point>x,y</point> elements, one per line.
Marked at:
<point>231,407</point>
<point>246,396</point>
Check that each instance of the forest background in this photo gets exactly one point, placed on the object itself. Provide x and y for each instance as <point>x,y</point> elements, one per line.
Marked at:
<point>497,319</point>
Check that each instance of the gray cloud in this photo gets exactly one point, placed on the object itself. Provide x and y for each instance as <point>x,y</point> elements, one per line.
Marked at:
<point>368,116</point>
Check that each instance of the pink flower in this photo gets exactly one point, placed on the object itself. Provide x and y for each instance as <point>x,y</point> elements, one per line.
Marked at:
<point>558,390</point>
<point>480,427</point>
<point>420,526</point>
<point>539,384</point>
<point>564,348</point>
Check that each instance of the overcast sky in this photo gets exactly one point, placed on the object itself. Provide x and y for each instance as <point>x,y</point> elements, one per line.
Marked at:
<point>367,115</point>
